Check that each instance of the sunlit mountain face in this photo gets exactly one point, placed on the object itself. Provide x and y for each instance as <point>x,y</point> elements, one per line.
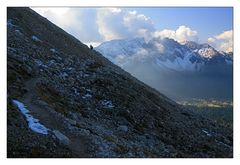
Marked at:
<point>180,70</point>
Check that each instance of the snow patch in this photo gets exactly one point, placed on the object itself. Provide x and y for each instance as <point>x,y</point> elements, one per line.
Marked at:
<point>86,75</point>
<point>63,75</point>
<point>224,144</point>
<point>10,24</point>
<point>51,62</point>
<point>13,50</point>
<point>40,64</point>
<point>206,132</point>
<point>88,94</point>
<point>53,50</point>
<point>107,104</point>
<point>18,32</point>
<point>75,91</point>
<point>207,52</point>
<point>36,39</point>
<point>120,47</point>
<point>180,64</point>
<point>33,123</point>
<point>163,53</point>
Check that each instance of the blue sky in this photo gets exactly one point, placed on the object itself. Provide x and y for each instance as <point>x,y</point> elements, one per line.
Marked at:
<point>96,25</point>
<point>207,21</point>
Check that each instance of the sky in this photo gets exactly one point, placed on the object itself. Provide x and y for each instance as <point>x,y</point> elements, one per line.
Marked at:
<point>96,25</point>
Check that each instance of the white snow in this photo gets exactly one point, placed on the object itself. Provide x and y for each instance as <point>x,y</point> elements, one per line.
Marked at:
<point>53,50</point>
<point>207,52</point>
<point>164,55</point>
<point>121,52</point>
<point>51,62</point>
<point>63,75</point>
<point>120,47</point>
<point>18,32</point>
<point>226,145</point>
<point>11,49</point>
<point>107,104</point>
<point>36,39</point>
<point>33,123</point>
<point>207,133</point>
<point>88,90</point>
<point>88,94</point>
<point>9,23</point>
<point>180,64</point>
<point>75,91</point>
<point>86,75</point>
<point>40,63</point>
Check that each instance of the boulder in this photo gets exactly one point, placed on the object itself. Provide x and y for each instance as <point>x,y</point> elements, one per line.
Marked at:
<point>61,137</point>
<point>123,128</point>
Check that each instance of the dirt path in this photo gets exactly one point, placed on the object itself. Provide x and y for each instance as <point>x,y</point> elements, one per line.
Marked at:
<point>50,120</point>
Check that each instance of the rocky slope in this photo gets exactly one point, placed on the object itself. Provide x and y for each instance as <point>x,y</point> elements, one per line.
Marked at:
<point>65,100</point>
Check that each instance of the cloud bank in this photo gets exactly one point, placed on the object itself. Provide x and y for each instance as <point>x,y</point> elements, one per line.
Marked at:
<point>223,41</point>
<point>181,34</point>
<point>118,24</point>
<point>96,25</point>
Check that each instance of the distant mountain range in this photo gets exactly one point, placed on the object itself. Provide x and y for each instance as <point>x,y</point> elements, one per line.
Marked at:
<point>181,70</point>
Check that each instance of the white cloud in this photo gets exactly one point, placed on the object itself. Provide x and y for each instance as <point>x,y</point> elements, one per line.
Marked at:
<point>96,25</point>
<point>226,46</point>
<point>165,33</point>
<point>210,39</point>
<point>115,10</point>
<point>123,24</point>
<point>226,35</point>
<point>223,41</point>
<point>181,34</point>
<point>159,47</point>
<point>99,24</point>
<point>110,24</point>
<point>80,22</point>
<point>55,14</point>
<point>133,12</point>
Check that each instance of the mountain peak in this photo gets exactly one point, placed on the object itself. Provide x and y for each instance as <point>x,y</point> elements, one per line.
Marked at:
<point>189,56</point>
<point>204,50</point>
<point>192,45</point>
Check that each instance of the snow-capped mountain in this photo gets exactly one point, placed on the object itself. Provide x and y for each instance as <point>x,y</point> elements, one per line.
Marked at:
<point>209,54</point>
<point>166,53</point>
<point>121,47</point>
<point>180,70</point>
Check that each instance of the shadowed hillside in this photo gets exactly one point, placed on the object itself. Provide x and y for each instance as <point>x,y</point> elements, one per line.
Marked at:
<point>65,100</point>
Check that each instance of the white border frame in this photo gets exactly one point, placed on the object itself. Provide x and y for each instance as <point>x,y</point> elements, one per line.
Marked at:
<point>113,3</point>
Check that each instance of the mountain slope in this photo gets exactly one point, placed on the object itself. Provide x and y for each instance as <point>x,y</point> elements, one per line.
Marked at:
<point>184,57</point>
<point>65,100</point>
<point>200,70</point>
